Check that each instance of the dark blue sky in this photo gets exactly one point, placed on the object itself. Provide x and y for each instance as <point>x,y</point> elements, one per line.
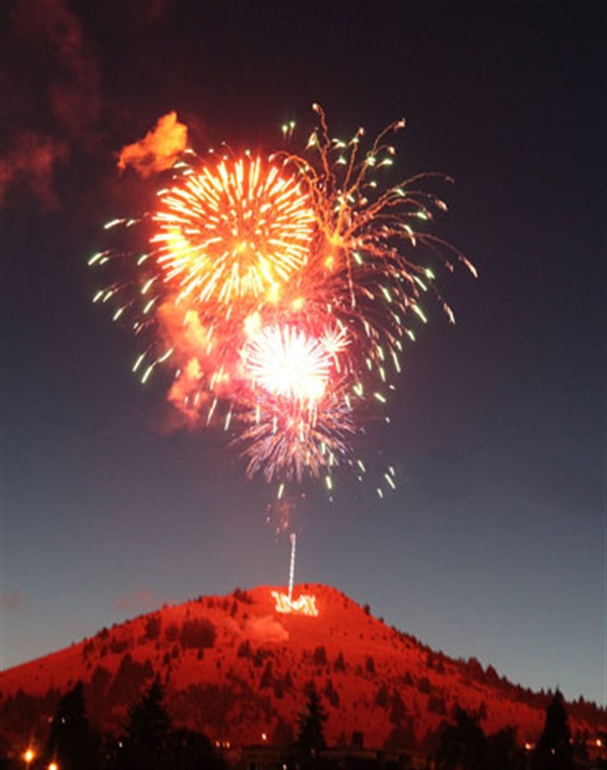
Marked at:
<point>494,543</point>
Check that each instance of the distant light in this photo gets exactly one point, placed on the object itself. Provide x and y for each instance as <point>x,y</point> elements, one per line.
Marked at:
<point>29,756</point>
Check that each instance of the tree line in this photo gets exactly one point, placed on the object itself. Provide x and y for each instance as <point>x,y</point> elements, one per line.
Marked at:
<point>150,741</point>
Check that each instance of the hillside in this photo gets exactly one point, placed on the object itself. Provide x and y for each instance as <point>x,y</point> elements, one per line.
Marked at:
<point>234,668</point>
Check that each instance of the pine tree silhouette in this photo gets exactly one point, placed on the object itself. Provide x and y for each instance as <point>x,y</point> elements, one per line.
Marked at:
<point>462,744</point>
<point>554,750</point>
<point>149,723</point>
<point>310,738</point>
<point>147,734</point>
<point>72,742</point>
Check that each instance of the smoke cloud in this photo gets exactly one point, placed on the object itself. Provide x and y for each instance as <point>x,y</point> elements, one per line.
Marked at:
<point>140,598</point>
<point>63,97</point>
<point>74,93</point>
<point>29,165</point>
<point>159,148</point>
<point>12,600</point>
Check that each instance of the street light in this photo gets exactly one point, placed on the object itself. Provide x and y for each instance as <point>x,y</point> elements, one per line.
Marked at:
<point>29,756</point>
<point>53,766</point>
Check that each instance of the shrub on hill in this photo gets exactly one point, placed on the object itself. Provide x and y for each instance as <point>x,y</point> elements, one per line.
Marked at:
<point>198,633</point>
<point>435,661</point>
<point>320,656</point>
<point>96,691</point>
<point>382,696</point>
<point>331,693</point>
<point>437,705</point>
<point>153,626</point>
<point>129,679</point>
<point>266,678</point>
<point>242,596</point>
<point>398,712</point>
<point>407,679</point>
<point>244,649</point>
<point>118,646</point>
<point>171,633</point>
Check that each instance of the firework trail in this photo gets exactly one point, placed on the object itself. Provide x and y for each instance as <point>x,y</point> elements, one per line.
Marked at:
<point>279,291</point>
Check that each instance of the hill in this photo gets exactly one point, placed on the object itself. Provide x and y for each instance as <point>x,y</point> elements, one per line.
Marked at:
<point>235,668</point>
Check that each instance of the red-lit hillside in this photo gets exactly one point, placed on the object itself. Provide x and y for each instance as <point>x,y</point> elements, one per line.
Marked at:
<point>234,668</point>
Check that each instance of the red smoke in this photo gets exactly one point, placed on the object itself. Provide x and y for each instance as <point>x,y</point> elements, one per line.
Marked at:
<point>159,148</point>
<point>30,164</point>
<point>67,92</point>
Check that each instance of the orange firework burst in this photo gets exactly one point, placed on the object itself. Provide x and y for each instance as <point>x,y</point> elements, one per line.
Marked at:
<point>234,231</point>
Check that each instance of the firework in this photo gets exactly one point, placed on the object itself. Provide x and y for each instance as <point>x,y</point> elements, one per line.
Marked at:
<point>233,232</point>
<point>279,291</point>
<point>287,439</point>
<point>300,419</point>
<point>363,268</point>
<point>287,362</point>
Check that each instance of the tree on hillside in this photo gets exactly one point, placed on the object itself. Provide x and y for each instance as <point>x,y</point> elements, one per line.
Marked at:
<point>149,722</point>
<point>283,735</point>
<point>72,742</point>
<point>402,735</point>
<point>554,751</point>
<point>310,736</point>
<point>151,742</point>
<point>503,752</point>
<point>148,732</point>
<point>462,744</point>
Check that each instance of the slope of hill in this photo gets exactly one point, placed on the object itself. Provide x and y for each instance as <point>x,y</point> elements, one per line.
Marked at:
<point>234,668</point>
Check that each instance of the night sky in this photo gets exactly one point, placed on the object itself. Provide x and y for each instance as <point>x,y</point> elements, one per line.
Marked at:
<point>493,544</point>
